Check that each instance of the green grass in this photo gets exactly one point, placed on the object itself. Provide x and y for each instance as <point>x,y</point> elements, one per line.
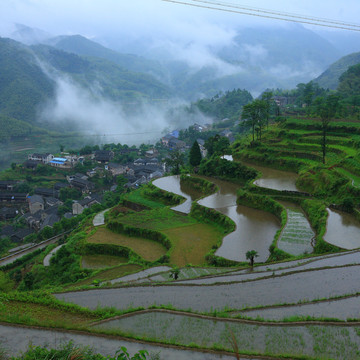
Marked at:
<point>191,243</point>
<point>101,261</point>
<point>158,219</point>
<point>110,274</point>
<point>354,178</point>
<point>148,249</point>
<point>138,197</point>
<point>38,314</point>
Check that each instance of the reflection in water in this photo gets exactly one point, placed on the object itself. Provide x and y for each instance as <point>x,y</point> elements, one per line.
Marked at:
<point>275,179</point>
<point>172,184</point>
<point>255,229</point>
<point>342,230</point>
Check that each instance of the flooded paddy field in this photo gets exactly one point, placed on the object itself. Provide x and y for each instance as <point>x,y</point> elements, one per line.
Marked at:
<point>284,289</point>
<point>343,230</point>
<point>341,342</point>
<point>343,309</point>
<point>172,184</point>
<point>141,274</point>
<point>297,236</point>
<point>337,260</point>
<point>16,339</point>
<point>275,179</point>
<point>255,229</point>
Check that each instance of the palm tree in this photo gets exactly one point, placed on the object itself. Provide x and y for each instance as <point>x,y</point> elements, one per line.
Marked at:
<point>250,255</point>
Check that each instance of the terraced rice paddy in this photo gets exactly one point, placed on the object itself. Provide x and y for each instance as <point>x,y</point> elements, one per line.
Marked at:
<point>190,273</point>
<point>147,249</point>
<point>192,243</point>
<point>297,236</point>
<point>318,341</point>
<point>109,274</point>
<point>17,340</point>
<point>289,288</point>
<point>101,261</point>
<point>343,309</point>
<point>342,230</point>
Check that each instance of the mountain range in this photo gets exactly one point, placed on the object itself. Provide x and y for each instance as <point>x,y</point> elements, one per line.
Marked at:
<point>36,69</point>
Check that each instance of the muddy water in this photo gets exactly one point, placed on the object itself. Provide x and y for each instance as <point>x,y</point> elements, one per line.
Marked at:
<point>255,229</point>
<point>275,179</point>
<point>172,184</point>
<point>343,230</point>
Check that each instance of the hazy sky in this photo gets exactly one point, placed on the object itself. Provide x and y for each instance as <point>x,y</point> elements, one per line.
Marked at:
<point>101,18</point>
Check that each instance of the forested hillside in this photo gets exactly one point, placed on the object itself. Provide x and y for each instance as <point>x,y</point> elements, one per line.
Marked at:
<point>23,85</point>
<point>28,81</point>
<point>329,79</point>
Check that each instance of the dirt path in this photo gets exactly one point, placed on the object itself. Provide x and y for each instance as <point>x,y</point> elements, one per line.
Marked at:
<point>99,218</point>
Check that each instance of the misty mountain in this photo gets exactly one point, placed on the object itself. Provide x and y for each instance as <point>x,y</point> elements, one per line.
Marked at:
<point>23,85</point>
<point>30,78</point>
<point>329,79</point>
<point>28,35</point>
<point>346,42</point>
<point>251,58</point>
<point>103,77</point>
<point>80,45</point>
<point>281,51</point>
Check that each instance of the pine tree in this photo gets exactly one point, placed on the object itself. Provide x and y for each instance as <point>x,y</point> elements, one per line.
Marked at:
<point>195,154</point>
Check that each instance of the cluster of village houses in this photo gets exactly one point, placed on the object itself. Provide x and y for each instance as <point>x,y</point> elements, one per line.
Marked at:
<point>41,209</point>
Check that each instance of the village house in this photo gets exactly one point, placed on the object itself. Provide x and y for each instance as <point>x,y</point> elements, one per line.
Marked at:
<point>7,231</point>
<point>175,144</point>
<point>20,235</point>
<point>60,185</point>
<point>36,203</point>
<point>46,192</point>
<point>59,162</point>
<point>79,206</point>
<point>13,197</point>
<point>7,213</point>
<point>7,185</point>
<point>165,139</point>
<point>140,162</point>
<point>116,169</point>
<point>103,156</point>
<point>43,158</point>
<point>151,153</point>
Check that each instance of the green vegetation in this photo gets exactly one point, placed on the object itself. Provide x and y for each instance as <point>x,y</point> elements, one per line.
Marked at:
<point>202,186</point>
<point>70,351</point>
<point>228,105</point>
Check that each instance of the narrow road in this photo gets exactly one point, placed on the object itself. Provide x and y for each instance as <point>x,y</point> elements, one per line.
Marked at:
<point>99,218</point>
<point>50,254</point>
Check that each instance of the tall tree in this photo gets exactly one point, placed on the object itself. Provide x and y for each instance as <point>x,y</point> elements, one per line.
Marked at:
<point>195,154</point>
<point>175,161</point>
<point>268,98</point>
<point>254,113</point>
<point>217,145</point>
<point>250,255</point>
<point>326,108</point>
